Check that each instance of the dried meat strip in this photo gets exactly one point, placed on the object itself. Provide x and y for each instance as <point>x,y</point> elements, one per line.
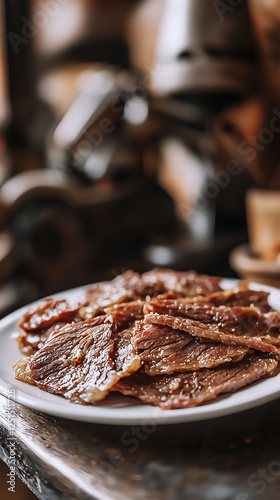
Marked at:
<point>81,361</point>
<point>126,313</point>
<point>186,284</point>
<point>125,356</point>
<point>47,312</point>
<point>210,332</point>
<point>173,339</point>
<point>185,390</point>
<point>240,320</point>
<point>239,296</point>
<point>29,343</point>
<point>164,350</point>
<point>126,287</point>
<point>77,361</point>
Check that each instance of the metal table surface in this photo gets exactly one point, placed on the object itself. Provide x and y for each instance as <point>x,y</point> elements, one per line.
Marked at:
<point>230,458</point>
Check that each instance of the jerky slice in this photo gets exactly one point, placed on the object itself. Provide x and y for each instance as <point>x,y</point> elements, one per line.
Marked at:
<point>77,361</point>
<point>210,332</point>
<point>185,390</point>
<point>164,350</point>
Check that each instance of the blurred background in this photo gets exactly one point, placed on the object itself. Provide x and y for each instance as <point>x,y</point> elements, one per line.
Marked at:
<point>133,134</point>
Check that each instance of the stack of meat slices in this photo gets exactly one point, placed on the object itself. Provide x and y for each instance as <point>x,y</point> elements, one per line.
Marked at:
<point>172,339</point>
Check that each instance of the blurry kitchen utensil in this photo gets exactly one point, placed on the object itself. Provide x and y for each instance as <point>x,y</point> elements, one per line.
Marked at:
<point>251,267</point>
<point>199,52</point>
<point>80,30</point>
<point>263,215</point>
<point>87,138</point>
<point>259,260</point>
<point>183,174</point>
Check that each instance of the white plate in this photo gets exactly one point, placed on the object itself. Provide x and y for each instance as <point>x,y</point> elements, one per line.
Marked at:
<point>117,409</point>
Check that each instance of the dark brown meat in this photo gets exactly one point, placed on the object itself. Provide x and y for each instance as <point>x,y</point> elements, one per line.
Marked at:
<point>187,339</point>
<point>29,343</point>
<point>210,332</point>
<point>125,356</point>
<point>184,390</point>
<point>78,360</point>
<point>47,312</point>
<point>239,320</point>
<point>126,287</point>
<point>236,297</point>
<point>126,313</point>
<point>185,284</point>
<point>139,286</point>
<point>164,350</point>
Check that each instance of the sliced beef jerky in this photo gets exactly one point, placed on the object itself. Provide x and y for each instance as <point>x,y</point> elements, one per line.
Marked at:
<point>139,286</point>
<point>100,297</point>
<point>185,284</point>
<point>240,296</point>
<point>124,356</point>
<point>240,320</point>
<point>126,359</point>
<point>126,287</point>
<point>164,350</point>
<point>77,361</point>
<point>126,313</point>
<point>23,372</point>
<point>211,332</point>
<point>29,343</point>
<point>184,390</point>
<point>45,313</point>
<point>123,314</point>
